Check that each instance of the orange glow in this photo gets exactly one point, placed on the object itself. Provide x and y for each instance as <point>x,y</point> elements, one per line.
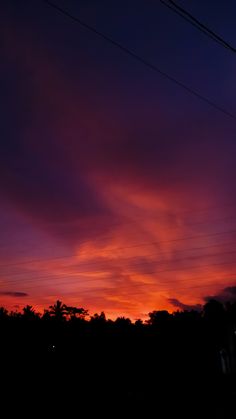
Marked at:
<point>107,227</point>
<point>138,267</point>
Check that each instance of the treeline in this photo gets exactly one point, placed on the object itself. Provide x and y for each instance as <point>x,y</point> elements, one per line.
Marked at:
<point>179,356</point>
<point>213,311</point>
<point>208,336</point>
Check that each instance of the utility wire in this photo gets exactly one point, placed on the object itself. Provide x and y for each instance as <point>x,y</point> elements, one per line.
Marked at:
<point>172,5</point>
<point>154,218</point>
<point>109,260</point>
<point>103,239</point>
<point>29,261</point>
<point>189,284</point>
<point>79,282</point>
<point>140,59</point>
<point>64,269</point>
<point>142,285</point>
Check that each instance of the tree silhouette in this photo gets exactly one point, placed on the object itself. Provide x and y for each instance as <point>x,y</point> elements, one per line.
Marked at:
<point>138,323</point>
<point>186,345</point>
<point>75,312</point>
<point>58,310</point>
<point>98,318</point>
<point>158,318</point>
<point>214,311</point>
<point>46,315</point>
<point>215,318</point>
<point>15,315</point>
<point>29,313</point>
<point>123,321</point>
<point>3,313</point>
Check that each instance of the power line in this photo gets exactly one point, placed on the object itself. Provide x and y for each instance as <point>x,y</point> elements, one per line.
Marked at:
<point>158,217</point>
<point>107,267</point>
<point>45,260</point>
<point>101,240</point>
<point>61,281</point>
<point>79,282</point>
<point>140,59</point>
<point>142,285</point>
<point>152,218</point>
<point>200,236</point>
<point>25,262</point>
<point>172,5</point>
<point>161,286</point>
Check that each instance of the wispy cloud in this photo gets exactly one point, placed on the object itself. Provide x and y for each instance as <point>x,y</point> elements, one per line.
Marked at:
<point>188,307</point>
<point>14,293</point>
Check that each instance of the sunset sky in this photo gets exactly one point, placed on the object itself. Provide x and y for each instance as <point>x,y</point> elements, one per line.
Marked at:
<point>117,187</point>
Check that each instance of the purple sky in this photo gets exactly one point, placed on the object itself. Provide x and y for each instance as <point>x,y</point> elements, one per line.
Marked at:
<point>117,187</point>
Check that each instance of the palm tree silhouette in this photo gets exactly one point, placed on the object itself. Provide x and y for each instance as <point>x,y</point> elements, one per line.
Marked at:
<point>29,313</point>
<point>58,310</point>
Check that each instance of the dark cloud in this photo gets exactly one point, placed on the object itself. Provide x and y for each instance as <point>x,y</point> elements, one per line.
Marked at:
<point>182,306</point>
<point>228,294</point>
<point>231,290</point>
<point>14,294</point>
<point>44,153</point>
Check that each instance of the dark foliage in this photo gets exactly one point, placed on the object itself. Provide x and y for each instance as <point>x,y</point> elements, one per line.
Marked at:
<point>181,363</point>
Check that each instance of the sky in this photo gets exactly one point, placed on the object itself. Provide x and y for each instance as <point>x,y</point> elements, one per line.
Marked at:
<point>117,187</point>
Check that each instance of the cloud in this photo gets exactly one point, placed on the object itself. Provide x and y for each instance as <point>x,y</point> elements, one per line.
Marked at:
<point>228,294</point>
<point>182,306</point>
<point>43,166</point>
<point>98,169</point>
<point>231,290</point>
<point>14,294</point>
<point>67,163</point>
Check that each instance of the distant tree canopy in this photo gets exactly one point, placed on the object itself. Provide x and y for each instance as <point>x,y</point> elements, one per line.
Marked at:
<point>98,318</point>
<point>29,313</point>
<point>213,312</point>
<point>3,313</point>
<point>159,317</point>
<point>63,329</point>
